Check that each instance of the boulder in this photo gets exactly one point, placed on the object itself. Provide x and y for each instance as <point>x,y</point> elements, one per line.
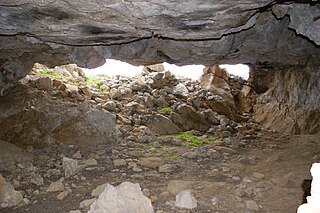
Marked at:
<point>188,119</point>
<point>161,125</point>
<point>220,99</point>
<point>125,198</point>
<point>181,90</point>
<point>96,126</point>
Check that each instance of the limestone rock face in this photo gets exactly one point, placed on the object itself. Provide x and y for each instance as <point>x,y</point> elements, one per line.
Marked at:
<point>293,106</point>
<point>125,198</point>
<point>149,32</point>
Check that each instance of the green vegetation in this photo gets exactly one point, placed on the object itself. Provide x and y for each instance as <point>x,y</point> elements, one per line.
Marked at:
<point>191,140</point>
<point>50,74</point>
<point>212,138</point>
<point>167,153</point>
<point>164,111</point>
<point>96,81</point>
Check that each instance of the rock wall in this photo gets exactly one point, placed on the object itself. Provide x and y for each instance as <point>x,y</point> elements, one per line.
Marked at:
<point>149,32</point>
<point>291,103</point>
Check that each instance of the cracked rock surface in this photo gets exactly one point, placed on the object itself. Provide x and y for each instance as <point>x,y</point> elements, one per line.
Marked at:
<point>58,32</point>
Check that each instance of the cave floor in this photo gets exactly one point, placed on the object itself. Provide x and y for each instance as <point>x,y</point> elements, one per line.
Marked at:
<point>262,174</point>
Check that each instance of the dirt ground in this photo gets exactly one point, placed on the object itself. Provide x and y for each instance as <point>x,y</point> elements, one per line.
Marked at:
<point>269,170</point>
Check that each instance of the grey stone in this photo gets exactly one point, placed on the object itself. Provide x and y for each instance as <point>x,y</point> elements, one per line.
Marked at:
<point>181,90</point>
<point>251,205</point>
<point>8,196</point>
<point>37,179</point>
<point>90,162</point>
<point>56,186</point>
<point>167,168</point>
<point>152,162</point>
<point>125,198</point>
<point>70,167</point>
<point>161,125</point>
<point>98,190</point>
<point>188,119</point>
<point>119,162</point>
<point>96,126</point>
<point>185,200</point>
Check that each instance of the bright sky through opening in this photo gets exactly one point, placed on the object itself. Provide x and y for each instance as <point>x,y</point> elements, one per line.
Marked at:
<point>114,67</point>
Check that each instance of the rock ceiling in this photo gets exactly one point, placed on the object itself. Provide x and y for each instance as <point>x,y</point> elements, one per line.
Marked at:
<point>55,32</point>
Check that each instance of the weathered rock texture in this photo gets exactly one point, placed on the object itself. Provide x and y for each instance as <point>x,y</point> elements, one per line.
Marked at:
<point>291,104</point>
<point>146,32</point>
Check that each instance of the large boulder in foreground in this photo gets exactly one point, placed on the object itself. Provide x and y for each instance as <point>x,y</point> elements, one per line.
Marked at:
<point>125,198</point>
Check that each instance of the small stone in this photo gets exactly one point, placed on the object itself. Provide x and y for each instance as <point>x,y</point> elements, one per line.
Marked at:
<point>76,211</point>
<point>167,168</point>
<point>251,205</point>
<point>70,166</point>
<point>185,200</point>
<point>136,169</point>
<point>77,155</point>
<point>91,162</point>
<point>37,180</point>
<point>62,195</point>
<point>257,175</point>
<point>26,201</point>
<point>45,83</point>
<point>86,203</point>
<point>151,162</point>
<point>98,190</point>
<point>154,199</point>
<point>56,186</point>
<point>214,201</point>
<point>190,155</point>
<point>119,162</point>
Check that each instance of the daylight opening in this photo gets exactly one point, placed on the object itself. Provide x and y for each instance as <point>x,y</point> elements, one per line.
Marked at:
<point>240,70</point>
<point>115,67</point>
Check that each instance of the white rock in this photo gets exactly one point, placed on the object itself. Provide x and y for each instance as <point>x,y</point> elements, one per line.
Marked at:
<point>70,166</point>
<point>313,205</point>
<point>125,198</point>
<point>8,196</point>
<point>181,89</point>
<point>185,200</point>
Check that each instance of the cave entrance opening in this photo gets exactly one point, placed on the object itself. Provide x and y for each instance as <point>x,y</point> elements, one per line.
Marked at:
<point>114,67</point>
